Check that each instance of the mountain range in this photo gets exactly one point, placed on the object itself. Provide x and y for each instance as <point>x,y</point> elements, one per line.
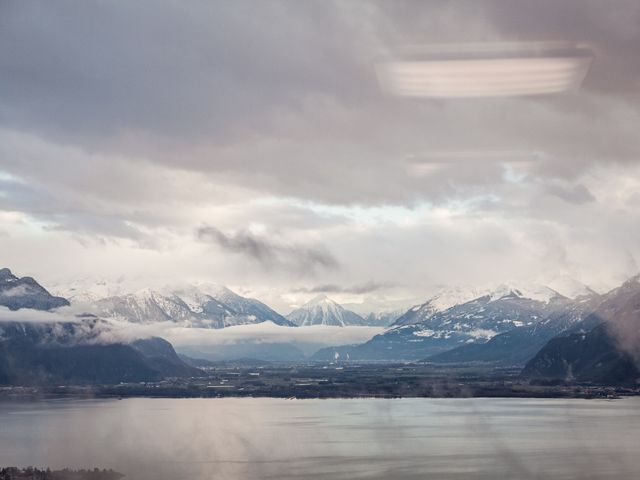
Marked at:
<point>589,338</point>
<point>437,326</point>
<point>215,306</point>
<point>204,307</point>
<point>520,344</point>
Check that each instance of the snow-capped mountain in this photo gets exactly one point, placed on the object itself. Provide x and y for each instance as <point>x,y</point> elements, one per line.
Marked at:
<point>189,306</point>
<point>449,297</point>
<point>383,318</point>
<point>249,307</point>
<point>203,303</point>
<point>151,306</point>
<point>571,288</point>
<point>87,290</point>
<point>422,332</point>
<point>380,310</point>
<point>321,310</point>
<point>442,300</point>
<point>517,346</point>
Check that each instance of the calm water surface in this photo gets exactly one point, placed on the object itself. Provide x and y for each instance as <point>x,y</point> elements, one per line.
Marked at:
<point>328,439</point>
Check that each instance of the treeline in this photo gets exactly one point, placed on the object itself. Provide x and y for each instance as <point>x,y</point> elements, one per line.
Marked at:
<point>31,473</point>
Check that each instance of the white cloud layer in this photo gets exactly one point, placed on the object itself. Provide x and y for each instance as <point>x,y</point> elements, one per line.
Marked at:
<point>266,332</point>
<point>114,330</point>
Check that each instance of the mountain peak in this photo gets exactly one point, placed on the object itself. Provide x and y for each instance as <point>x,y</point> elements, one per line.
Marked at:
<point>630,286</point>
<point>570,287</point>
<point>539,293</point>
<point>219,292</point>
<point>449,297</point>
<point>318,299</point>
<point>321,310</point>
<point>147,292</point>
<point>6,275</point>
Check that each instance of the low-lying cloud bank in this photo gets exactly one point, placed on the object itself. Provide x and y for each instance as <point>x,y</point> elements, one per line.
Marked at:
<point>113,330</point>
<point>266,332</point>
<point>27,315</point>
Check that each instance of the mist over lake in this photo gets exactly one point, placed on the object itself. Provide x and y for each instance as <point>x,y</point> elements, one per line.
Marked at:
<point>262,438</point>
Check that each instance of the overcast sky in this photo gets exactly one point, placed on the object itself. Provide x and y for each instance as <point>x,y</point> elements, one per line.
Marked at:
<point>248,143</point>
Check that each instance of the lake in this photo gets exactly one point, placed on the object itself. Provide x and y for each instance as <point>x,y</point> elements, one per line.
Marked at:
<point>259,438</point>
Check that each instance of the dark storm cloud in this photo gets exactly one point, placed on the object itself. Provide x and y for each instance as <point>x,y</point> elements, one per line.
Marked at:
<point>268,253</point>
<point>281,96</point>
<point>90,72</point>
<point>577,194</point>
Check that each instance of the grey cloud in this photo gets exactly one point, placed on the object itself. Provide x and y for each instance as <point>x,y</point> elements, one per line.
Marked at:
<point>361,288</point>
<point>577,194</point>
<point>268,253</point>
<point>209,87</point>
<point>69,189</point>
<point>632,267</point>
<point>183,72</point>
<point>65,214</point>
<point>60,214</point>
<point>134,120</point>
<point>27,315</point>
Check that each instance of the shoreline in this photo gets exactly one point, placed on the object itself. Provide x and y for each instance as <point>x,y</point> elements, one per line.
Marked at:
<point>88,392</point>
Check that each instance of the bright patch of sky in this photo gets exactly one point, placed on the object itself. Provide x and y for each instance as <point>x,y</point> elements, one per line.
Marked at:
<point>401,216</point>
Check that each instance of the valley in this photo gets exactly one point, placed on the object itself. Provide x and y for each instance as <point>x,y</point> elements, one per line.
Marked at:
<point>510,341</point>
<point>366,380</point>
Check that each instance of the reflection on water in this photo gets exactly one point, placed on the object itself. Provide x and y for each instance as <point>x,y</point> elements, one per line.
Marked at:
<point>328,439</point>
